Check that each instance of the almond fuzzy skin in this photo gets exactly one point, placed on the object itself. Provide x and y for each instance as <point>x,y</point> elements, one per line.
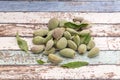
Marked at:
<point>62,43</point>
<point>72,45</point>
<point>58,33</point>
<point>93,52</point>
<point>40,32</point>
<point>38,40</point>
<point>54,58</point>
<point>49,44</point>
<point>67,52</point>
<point>82,48</point>
<point>53,23</point>
<point>37,49</point>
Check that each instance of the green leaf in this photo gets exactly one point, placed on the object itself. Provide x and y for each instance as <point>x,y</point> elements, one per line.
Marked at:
<point>40,62</point>
<point>75,26</point>
<point>21,43</point>
<point>75,64</point>
<point>87,38</point>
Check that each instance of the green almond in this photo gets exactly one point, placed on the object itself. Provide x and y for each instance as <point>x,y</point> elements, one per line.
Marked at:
<point>54,58</point>
<point>58,33</point>
<point>93,52</point>
<point>90,45</point>
<point>62,43</point>
<point>37,49</point>
<point>53,23</point>
<point>40,32</point>
<point>67,35</point>
<point>82,48</point>
<point>76,39</point>
<point>84,32</point>
<point>72,45</point>
<point>38,40</point>
<point>67,52</point>
<point>49,44</point>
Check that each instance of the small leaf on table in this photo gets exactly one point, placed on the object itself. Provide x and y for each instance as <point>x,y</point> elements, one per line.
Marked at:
<point>40,61</point>
<point>75,64</point>
<point>22,43</point>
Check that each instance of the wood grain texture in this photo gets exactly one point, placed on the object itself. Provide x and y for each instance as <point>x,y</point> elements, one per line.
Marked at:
<point>43,17</point>
<point>106,28</point>
<point>104,43</point>
<point>52,72</point>
<point>21,58</point>
<point>98,30</point>
<point>83,6</point>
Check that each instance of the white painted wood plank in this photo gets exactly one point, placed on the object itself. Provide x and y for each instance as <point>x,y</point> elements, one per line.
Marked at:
<point>52,72</point>
<point>27,29</point>
<point>43,17</point>
<point>104,43</point>
<point>22,58</point>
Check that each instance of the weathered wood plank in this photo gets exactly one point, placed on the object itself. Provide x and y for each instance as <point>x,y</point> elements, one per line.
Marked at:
<point>99,30</point>
<point>43,17</point>
<point>62,0</point>
<point>21,58</point>
<point>49,72</point>
<point>83,6</point>
<point>104,43</point>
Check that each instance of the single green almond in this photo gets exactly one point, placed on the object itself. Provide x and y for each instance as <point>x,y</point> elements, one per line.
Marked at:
<point>72,45</point>
<point>90,45</point>
<point>72,31</point>
<point>67,35</point>
<point>62,22</point>
<point>54,58</point>
<point>84,32</point>
<point>82,48</point>
<point>58,33</point>
<point>40,32</point>
<point>80,19</point>
<point>50,51</point>
<point>53,23</point>
<point>62,43</point>
<point>76,39</point>
<point>49,44</point>
<point>37,49</point>
<point>38,40</point>
<point>67,52</point>
<point>49,36</point>
<point>93,52</point>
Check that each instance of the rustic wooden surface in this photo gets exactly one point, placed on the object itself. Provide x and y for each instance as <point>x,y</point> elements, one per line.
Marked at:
<point>15,64</point>
<point>75,5</point>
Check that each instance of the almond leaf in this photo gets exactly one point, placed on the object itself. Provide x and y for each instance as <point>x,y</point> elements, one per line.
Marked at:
<point>75,64</point>
<point>21,43</point>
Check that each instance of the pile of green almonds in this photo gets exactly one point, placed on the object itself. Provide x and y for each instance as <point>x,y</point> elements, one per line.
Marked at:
<point>66,41</point>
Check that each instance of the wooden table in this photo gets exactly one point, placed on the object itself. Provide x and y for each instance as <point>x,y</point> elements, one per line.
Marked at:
<point>27,16</point>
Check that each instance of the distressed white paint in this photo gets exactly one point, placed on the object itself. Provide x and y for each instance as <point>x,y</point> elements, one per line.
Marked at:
<point>43,17</point>
<point>49,72</point>
<point>27,29</point>
<point>104,43</point>
<point>22,58</point>
<point>53,72</point>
